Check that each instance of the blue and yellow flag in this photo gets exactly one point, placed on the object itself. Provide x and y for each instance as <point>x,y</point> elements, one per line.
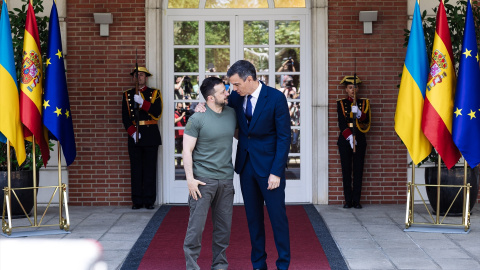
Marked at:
<point>466,121</point>
<point>10,124</point>
<point>411,96</point>
<point>57,116</point>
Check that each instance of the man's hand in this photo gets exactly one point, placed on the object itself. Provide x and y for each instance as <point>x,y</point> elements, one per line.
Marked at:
<point>354,109</point>
<point>273,182</point>
<point>193,188</point>
<point>138,99</point>
<point>359,114</point>
<point>350,140</point>
<point>200,107</point>
<point>134,136</point>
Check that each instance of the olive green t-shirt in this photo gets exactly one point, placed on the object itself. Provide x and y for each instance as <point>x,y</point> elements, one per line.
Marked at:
<point>212,155</point>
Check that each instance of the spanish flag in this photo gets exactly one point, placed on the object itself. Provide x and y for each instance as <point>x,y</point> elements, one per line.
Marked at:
<point>438,107</point>
<point>411,96</point>
<point>31,95</point>
<point>10,125</point>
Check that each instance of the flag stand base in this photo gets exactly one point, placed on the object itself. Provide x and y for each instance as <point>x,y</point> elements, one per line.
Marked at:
<point>437,225</point>
<point>63,221</point>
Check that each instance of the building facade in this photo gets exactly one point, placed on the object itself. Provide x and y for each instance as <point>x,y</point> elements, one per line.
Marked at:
<point>325,39</point>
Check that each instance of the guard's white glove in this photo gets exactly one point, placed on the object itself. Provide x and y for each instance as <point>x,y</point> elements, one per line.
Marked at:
<point>354,109</point>
<point>350,140</point>
<point>134,136</point>
<point>138,99</point>
<point>359,114</point>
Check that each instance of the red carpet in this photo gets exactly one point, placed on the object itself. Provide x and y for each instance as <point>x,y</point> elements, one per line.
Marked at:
<point>166,248</point>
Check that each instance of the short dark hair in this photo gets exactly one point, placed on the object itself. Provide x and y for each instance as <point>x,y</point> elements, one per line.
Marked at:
<point>207,87</point>
<point>243,69</point>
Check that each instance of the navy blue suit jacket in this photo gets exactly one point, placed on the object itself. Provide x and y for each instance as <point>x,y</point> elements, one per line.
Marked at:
<point>267,138</point>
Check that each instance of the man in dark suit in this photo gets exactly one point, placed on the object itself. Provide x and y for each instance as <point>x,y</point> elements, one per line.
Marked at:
<point>143,153</point>
<point>263,144</point>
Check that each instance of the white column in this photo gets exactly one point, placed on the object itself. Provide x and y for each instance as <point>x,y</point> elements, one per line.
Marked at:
<point>320,101</point>
<point>153,61</point>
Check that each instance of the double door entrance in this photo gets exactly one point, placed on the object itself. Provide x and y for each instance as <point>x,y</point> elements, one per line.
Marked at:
<point>202,46</point>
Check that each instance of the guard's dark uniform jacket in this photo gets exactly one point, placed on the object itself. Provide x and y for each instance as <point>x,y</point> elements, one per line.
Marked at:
<point>345,123</point>
<point>143,154</point>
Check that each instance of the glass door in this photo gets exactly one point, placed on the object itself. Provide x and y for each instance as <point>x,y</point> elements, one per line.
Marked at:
<point>276,46</point>
<point>203,46</point>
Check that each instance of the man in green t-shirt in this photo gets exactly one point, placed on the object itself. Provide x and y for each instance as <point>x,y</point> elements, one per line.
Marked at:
<point>207,158</point>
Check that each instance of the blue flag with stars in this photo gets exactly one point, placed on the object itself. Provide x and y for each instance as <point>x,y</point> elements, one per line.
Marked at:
<point>57,116</point>
<point>466,118</point>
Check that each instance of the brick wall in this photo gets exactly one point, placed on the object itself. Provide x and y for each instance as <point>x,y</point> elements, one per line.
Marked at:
<point>379,59</point>
<point>98,72</point>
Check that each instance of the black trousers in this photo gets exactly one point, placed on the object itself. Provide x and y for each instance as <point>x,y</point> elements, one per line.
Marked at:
<point>143,165</point>
<point>355,161</point>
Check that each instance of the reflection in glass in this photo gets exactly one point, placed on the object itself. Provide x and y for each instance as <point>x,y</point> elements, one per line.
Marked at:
<point>183,3</point>
<point>258,57</point>
<point>288,82</point>
<point>287,32</point>
<point>217,60</point>
<point>287,59</point>
<point>263,78</point>
<point>217,33</point>
<point>179,169</point>
<point>292,172</point>
<point>185,33</point>
<point>255,33</point>
<point>294,108</point>
<point>236,4</point>
<point>295,144</point>
<point>289,3</point>
<point>186,87</point>
<point>186,60</point>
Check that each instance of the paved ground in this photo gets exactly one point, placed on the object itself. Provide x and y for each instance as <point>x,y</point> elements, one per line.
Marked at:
<point>369,238</point>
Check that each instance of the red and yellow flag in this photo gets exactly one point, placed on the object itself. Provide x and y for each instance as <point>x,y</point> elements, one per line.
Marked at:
<point>31,94</point>
<point>438,108</point>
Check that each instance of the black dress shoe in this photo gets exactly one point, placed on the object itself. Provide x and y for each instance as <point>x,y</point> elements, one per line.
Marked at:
<point>347,205</point>
<point>357,206</point>
<point>149,206</point>
<point>136,206</point>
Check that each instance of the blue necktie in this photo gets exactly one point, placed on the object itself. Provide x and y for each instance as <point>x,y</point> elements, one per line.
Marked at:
<point>248,109</point>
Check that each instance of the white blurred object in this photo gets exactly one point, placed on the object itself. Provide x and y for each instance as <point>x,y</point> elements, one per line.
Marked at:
<point>51,254</point>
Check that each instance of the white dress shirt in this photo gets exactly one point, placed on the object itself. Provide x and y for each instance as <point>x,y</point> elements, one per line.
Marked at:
<point>253,99</point>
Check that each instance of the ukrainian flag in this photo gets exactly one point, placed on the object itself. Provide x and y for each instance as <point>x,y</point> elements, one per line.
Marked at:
<point>466,124</point>
<point>411,96</point>
<point>10,125</point>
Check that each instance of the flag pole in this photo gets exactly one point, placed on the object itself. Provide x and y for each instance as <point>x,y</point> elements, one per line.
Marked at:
<point>439,173</point>
<point>34,146</point>
<point>59,181</point>
<point>412,193</point>
<point>9,183</point>
<point>465,167</point>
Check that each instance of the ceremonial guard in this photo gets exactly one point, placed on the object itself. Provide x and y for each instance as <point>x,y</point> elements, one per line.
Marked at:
<point>354,122</point>
<point>140,114</point>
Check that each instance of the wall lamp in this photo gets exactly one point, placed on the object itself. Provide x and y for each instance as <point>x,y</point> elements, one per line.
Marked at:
<point>104,19</point>
<point>367,17</point>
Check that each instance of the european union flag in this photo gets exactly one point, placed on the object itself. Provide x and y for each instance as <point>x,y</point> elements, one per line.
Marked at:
<point>466,121</point>
<point>57,116</point>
